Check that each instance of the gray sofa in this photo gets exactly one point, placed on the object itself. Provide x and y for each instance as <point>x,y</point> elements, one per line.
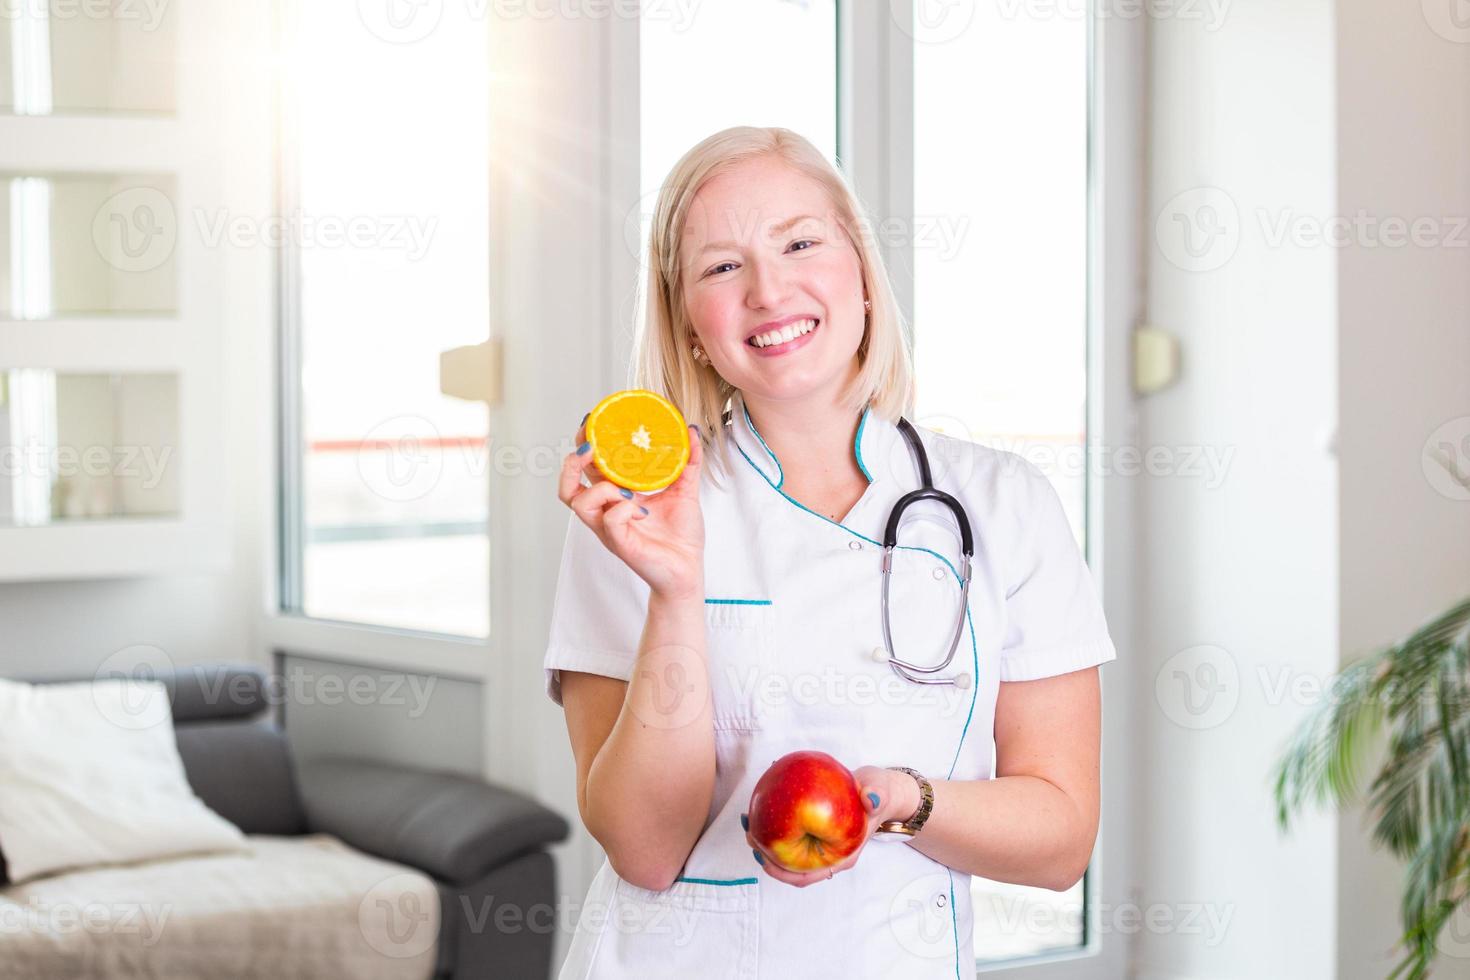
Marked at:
<point>483,846</point>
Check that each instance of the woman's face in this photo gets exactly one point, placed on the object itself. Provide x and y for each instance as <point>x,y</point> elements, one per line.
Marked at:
<point>763,257</point>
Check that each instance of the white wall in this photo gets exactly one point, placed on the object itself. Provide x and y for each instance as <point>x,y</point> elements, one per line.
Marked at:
<point>57,628</point>
<point>1298,114</point>
<point>1403,112</point>
<point>1240,580</point>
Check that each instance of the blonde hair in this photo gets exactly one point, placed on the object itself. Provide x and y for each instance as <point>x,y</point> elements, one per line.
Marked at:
<point>663,361</point>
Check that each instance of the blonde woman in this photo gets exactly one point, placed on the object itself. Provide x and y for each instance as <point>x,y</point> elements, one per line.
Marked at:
<point>703,632</point>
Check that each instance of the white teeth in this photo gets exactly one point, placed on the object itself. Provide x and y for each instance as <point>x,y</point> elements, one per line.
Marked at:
<point>786,334</point>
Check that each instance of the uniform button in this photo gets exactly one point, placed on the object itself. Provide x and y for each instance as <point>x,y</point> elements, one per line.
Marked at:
<point>938,574</point>
<point>940,900</point>
<point>855,545</point>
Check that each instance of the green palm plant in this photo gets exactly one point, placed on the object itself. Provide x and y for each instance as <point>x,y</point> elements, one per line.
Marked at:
<point>1419,690</point>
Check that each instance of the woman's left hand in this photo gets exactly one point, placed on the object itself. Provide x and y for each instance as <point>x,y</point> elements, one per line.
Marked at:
<point>897,797</point>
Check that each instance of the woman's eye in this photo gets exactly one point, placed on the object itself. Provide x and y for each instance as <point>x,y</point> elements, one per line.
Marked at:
<point>716,270</point>
<point>803,241</point>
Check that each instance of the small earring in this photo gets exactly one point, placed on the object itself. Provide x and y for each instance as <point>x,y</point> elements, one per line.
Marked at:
<point>698,352</point>
<point>867,306</point>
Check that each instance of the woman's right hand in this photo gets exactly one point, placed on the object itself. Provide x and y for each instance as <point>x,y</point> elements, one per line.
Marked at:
<point>660,537</point>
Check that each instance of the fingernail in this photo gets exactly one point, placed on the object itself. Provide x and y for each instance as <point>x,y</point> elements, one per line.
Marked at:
<point>745,821</point>
<point>585,418</point>
<point>627,494</point>
<point>644,509</point>
<point>696,428</point>
<point>582,449</point>
<point>758,859</point>
<point>873,799</point>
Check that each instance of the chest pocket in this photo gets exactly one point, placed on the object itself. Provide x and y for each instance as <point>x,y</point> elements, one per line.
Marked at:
<point>740,644</point>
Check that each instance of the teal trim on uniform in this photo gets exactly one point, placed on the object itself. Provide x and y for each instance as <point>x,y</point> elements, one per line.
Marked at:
<point>748,422</point>
<point>737,602</point>
<point>974,661</point>
<point>955,922</point>
<point>713,881</point>
<point>974,650</point>
<point>857,445</point>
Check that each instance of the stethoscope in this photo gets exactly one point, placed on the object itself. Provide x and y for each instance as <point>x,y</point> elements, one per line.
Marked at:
<point>927,491</point>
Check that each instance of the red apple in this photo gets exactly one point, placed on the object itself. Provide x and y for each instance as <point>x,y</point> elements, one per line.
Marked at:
<point>806,811</point>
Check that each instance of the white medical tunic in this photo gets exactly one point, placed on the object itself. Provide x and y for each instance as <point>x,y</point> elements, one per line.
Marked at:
<point>793,615</point>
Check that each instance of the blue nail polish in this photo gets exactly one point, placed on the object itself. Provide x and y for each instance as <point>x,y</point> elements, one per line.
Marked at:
<point>758,859</point>
<point>873,798</point>
<point>744,821</point>
<point>585,418</point>
<point>644,509</point>
<point>627,494</point>
<point>582,449</point>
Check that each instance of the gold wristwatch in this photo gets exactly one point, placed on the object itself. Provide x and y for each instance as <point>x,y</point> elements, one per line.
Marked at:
<point>904,829</point>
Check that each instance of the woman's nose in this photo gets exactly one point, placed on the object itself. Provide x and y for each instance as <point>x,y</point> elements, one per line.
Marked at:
<point>769,284</point>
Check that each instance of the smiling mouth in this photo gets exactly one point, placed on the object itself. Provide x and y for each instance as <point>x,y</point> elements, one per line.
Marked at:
<point>784,335</point>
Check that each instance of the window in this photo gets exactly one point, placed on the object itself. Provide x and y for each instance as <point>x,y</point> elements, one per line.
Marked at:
<point>1000,293</point>
<point>697,77</point>
<point>385,265</point>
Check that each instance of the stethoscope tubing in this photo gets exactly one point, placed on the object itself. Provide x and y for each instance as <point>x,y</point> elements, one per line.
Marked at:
<point>927,491</point>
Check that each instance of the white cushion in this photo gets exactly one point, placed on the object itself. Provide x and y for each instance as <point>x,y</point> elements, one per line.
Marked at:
<point>296,908</point>
<point>90,774</point>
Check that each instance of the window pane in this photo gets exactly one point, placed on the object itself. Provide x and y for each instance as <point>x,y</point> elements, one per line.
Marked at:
<point>725,63</point>
<point>392,147</point>
<point>1000,267</point>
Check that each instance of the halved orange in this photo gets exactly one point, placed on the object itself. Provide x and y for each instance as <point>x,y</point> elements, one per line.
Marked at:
<point>639,439</point>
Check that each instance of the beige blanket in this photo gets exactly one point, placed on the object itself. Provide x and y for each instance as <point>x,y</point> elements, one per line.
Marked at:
<point>299,907</point>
